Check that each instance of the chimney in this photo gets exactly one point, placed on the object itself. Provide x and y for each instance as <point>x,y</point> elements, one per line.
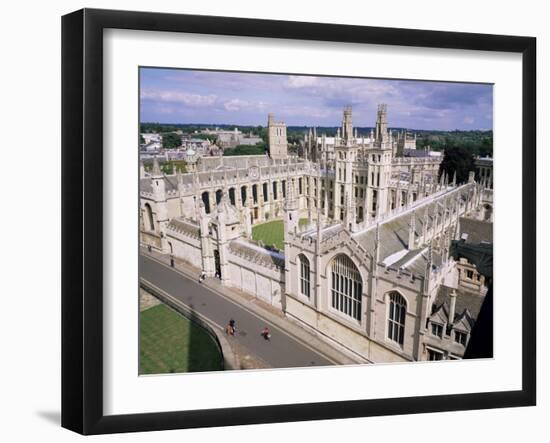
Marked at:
<point>452,307</point>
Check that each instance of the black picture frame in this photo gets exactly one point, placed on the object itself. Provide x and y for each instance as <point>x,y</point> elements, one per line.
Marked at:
<point>82,218</point>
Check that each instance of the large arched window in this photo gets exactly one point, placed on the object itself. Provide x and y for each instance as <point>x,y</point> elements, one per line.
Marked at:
<point>396,317</point>
<point>305,283</point>
<point>149,217</point>
<point>347,287</point>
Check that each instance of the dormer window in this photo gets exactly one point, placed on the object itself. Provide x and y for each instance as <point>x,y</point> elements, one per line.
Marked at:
<point>437,330</point>
<point>461,337</point>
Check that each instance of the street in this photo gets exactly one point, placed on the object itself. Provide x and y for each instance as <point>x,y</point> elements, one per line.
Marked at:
<point>282,351</point>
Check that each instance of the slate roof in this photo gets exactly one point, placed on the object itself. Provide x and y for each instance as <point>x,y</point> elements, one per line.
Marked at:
<point>257,254</point>
<point>394,233</point>
<point>170,184</point>
<point>467,304</point>
<point>481,255</point>
<point>185,227</point>
<point>478,231</point>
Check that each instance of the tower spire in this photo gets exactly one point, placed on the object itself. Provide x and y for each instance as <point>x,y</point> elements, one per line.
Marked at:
<point>381,123</point>
<point>156,168</point>
<point>347,126</point>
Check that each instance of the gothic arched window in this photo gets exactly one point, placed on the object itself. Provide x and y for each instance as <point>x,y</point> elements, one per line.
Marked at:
<point>149,216</point>
<point>305,283</point>
<point>255,193</point>
<point>396,317</point>
<point>346,286</point>
<point>206,200</point>
<point>232,196</point>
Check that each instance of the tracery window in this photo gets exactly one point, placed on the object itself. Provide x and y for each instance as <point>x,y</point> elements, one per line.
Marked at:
<point>347,287</point>
<point>396,317</point>
<point>305,281</point>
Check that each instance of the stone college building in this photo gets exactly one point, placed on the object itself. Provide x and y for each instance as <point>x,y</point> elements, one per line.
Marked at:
<point>368,263</point>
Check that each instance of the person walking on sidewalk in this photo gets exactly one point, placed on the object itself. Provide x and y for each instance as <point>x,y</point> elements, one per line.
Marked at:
<point>202,277</point>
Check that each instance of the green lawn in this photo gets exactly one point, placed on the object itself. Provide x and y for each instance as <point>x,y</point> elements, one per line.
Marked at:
<point>169,343</point>
<point>272,233</point>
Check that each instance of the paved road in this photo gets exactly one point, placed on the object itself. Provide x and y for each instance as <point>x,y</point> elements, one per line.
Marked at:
<point>282,351</point>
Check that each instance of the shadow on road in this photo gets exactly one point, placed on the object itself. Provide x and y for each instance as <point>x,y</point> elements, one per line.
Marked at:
<point>200,353</point>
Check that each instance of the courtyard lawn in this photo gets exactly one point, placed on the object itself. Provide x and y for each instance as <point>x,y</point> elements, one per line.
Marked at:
<point>171,343</point>
<point>272,233</point>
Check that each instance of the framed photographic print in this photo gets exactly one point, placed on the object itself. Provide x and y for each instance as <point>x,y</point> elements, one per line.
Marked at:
<point>270,221</point>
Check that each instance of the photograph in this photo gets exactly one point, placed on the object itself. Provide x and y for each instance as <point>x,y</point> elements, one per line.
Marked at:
<point>269,223</point>
<point>291,220</point>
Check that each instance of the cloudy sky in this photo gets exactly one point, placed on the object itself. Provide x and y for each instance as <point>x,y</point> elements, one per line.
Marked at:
<point>185,96</point>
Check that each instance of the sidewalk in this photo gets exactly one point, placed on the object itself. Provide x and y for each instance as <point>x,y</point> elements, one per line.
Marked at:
<point>260,309</point>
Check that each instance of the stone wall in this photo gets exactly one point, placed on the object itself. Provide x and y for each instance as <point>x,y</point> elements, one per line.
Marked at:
<point>335,332</point>
<point>255,279</point>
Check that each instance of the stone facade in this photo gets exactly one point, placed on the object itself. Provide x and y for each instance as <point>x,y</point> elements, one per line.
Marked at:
<point>484,175</point>
<point>368,272</point>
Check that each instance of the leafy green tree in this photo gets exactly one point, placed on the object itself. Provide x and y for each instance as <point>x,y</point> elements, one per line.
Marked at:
<point>171,140</point>
<point>258,149</point>
<point>457,159</point>
<point>486,148</point>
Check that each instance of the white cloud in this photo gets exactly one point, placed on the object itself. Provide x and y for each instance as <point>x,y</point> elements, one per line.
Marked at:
<point>308,112</point>
<point>300,81</point>
<point>235,104</point>
<point>179,97</point>
<point>469,120</point>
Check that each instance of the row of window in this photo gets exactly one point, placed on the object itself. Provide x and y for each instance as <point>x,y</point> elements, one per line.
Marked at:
<point>346,291</point>
<point>435,355</point>
<point>265,194</point>
<point>470,274</point>
<point>359,192</point>
<point>459,336</point>
<point>244,195</point>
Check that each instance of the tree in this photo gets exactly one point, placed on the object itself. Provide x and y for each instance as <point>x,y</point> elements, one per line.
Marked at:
<point>457,159</point>
<point>486,148</point>
<point>258,149</point>
<point>171,140</point>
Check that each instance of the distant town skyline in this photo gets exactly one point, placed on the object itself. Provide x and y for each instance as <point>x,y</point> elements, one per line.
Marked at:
<point>236,98</point>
